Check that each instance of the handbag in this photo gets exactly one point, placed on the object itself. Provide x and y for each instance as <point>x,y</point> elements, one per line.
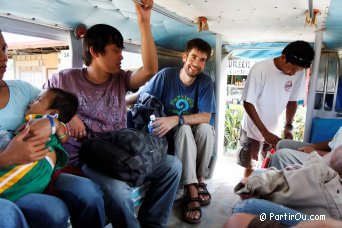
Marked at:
<point>127,154</point>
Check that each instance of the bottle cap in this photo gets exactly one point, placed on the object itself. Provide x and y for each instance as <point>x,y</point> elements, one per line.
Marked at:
<point>152,117</point>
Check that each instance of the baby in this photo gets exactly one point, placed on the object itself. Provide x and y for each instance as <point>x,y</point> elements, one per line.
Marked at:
<point>19,180</point>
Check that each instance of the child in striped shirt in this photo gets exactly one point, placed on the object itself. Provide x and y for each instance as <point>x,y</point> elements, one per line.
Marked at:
<point>19,180</point>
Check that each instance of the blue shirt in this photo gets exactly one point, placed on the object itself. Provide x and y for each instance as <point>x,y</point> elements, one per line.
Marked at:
<point>21,94</point>
<point>179,99</point>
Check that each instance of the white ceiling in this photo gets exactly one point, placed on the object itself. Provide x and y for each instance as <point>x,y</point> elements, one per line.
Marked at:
<point>253,24</point>
<point>245,21</point>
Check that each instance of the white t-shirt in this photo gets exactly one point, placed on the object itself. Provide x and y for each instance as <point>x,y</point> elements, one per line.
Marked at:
<point>269,90</point>
<point>337,140</point>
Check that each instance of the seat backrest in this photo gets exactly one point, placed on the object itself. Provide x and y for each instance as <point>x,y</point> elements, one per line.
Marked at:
<point>324,129</point>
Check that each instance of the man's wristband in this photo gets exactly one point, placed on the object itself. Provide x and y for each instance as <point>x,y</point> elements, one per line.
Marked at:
<point>53,125</point>
<point>180,120</point>
<point>289,126</point>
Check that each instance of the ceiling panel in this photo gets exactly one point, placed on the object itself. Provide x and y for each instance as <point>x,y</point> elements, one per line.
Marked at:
<point>239,21</point>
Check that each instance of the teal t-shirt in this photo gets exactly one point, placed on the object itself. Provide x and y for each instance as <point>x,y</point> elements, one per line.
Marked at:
<point>21,94</point>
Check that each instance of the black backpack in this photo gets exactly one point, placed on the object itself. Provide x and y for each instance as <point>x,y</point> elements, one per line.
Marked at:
<point>127,154</point>
<point>145,106</point>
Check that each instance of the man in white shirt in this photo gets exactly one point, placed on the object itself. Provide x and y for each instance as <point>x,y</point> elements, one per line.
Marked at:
<point>272,86</point>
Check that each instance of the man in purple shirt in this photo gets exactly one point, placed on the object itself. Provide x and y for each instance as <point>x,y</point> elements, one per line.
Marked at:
<point>101,89</point>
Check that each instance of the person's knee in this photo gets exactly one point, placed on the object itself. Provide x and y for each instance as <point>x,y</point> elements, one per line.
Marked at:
<point>117,192</point>
<point>283,144</point>
<point>204,134</point>
<point>239,220</point>
<point>281,153</point>
<point>183,131</point>
<point>277,156</point>
<point>44,210</point>
<point>83,190</point>
<point>118,202</point>
<point>174,165</point>
<point>92,195</point>
<point>10,211</point>
<point>205,130</point>
<point>59,217</point>
<point>60,212</point>
<point>9,207</point>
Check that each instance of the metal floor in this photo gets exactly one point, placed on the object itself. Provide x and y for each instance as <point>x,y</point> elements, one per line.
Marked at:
<point>226,175</point>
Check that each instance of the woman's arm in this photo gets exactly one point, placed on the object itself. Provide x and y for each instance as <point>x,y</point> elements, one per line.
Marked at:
<point>22,149</point>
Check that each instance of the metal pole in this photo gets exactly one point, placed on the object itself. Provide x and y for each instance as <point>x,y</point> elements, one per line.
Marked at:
<point>220,93</point>
<point>310,9</point>
<point>313,86</point>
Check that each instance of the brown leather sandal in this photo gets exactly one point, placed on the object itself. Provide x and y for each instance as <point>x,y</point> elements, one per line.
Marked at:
<point>187,208</point>
<point>202,190</point>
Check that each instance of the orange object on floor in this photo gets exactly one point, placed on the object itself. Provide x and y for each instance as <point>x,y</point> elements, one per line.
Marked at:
<point>268,158</point>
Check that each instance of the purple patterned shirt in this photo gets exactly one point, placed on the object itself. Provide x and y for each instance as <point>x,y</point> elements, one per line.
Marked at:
<point>102,107</point>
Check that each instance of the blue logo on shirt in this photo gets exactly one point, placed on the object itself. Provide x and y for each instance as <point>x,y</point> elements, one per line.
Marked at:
<point>183,104</point>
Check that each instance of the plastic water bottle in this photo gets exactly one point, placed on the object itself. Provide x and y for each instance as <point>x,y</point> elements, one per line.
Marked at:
<point>149,126</point>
